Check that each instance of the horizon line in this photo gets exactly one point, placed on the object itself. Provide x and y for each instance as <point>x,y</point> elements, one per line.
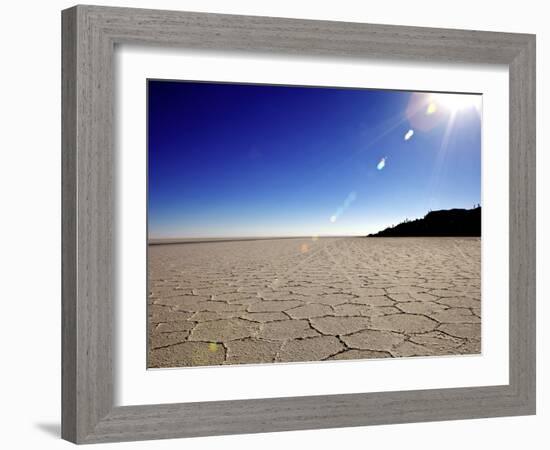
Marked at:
<point>199,240</point>
<point>168,241</point>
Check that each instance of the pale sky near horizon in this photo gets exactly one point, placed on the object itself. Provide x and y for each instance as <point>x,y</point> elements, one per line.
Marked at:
<point>230,160</point>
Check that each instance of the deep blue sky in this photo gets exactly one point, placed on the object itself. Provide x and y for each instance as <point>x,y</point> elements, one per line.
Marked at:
<point>259,160</point>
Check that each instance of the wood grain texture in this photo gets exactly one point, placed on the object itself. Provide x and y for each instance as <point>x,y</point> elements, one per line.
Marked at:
<point>68,226</point>
<point>523,224</point>
<point>89,36</point>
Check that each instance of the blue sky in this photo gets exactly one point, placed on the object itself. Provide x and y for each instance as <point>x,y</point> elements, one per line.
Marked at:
<point>229,160</point>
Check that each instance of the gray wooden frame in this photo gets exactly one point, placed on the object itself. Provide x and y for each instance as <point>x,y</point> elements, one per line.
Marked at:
<point>89,36</point>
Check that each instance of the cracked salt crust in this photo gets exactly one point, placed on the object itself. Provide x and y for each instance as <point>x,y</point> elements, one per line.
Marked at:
<point>269,301</point>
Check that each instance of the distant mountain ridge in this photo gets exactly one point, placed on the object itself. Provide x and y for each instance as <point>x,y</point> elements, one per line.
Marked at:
<point>445,222</point>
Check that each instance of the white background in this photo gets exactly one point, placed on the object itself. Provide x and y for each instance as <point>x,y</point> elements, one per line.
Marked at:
<point>135,386</point>
<point>30,226</point>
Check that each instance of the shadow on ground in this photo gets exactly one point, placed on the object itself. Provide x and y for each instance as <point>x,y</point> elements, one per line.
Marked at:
<point>52,429</point>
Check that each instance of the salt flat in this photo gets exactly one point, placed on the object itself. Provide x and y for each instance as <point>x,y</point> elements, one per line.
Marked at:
<point>300,299</point>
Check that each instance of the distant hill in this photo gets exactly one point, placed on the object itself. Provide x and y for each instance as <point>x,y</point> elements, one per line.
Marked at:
<point>446,222</point>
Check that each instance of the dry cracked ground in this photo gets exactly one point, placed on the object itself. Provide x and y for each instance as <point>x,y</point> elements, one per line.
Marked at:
<point>284,300</point>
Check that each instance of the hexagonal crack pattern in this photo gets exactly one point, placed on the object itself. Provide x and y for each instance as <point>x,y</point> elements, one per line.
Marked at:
<point>289,300</point>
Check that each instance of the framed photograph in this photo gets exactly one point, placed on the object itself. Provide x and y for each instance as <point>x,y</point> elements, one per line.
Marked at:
<point>277,224</point>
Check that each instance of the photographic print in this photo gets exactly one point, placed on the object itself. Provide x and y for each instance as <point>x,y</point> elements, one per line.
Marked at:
<point>300,224</point>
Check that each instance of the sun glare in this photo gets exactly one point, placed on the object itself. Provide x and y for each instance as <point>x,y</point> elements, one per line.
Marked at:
<point>455,102</point>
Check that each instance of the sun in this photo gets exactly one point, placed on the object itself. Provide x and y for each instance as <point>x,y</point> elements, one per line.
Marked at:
<point>453,103</point>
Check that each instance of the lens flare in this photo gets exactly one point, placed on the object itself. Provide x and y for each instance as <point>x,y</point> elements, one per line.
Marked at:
<point>423,112</point>
<point>352,196</point>
<point>381,164</point>
<point>432,108</point>
<point>409,134</point>
<point>213,347</point>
